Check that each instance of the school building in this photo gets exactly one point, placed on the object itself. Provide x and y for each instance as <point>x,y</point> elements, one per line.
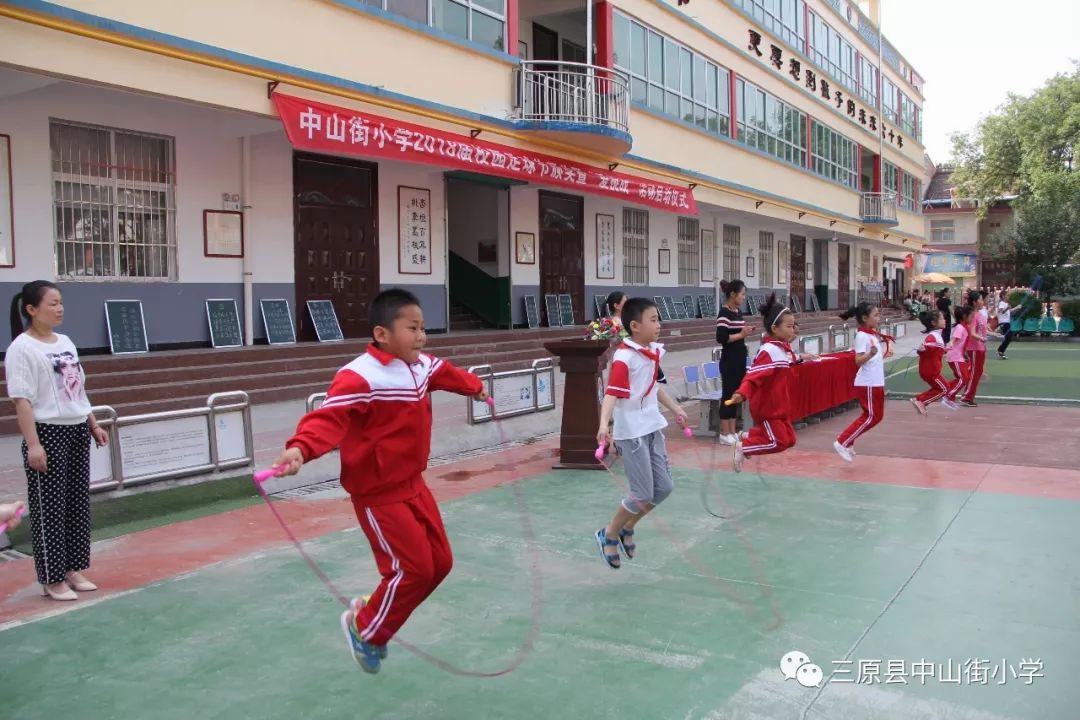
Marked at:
<point>472,151</point>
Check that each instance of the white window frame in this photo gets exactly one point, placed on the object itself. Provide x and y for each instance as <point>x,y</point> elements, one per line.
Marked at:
<point>469,6</point>
<point>689,234</point>
<point>943,232</point>
<point>732,251</point>
<point>766,251</point>
<point>635,247</point>
<point>67,246</point>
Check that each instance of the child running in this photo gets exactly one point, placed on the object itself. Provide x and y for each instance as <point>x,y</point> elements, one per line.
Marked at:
<point>931,356</point>
<point>975,348</point>
<point>633,395</point>
<point>871,349</point>
<point>378,412</point>
<point>955,355</point>
<point>768,387</point>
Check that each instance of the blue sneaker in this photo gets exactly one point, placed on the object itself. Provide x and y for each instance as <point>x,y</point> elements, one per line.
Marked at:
<point>366,655</point>
<point>355,606</point>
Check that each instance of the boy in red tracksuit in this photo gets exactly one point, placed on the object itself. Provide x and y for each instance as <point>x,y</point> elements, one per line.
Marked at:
<point>768,387</point>
<point>378,412</point>
<point>931,360</point>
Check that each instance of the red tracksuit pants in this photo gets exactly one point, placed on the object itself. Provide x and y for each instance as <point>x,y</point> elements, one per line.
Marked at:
<point>872,400</point>
<point>939,388</point>
<point>976,361</point>
<point>413,555</point>
<point>962,371</point>
<point>769,436</point>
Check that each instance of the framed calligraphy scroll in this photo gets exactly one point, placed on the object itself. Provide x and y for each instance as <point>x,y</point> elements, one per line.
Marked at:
<point>605,247</point>
<point>414,231</point>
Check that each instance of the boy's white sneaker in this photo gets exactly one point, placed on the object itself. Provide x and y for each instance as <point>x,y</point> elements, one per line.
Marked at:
<point>842,451</point>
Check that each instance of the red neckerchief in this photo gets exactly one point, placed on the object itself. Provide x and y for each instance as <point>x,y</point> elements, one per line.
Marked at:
<point>785,345</point>
<point>887,339</point>
<point>883,336</point>
<point>652,355</point>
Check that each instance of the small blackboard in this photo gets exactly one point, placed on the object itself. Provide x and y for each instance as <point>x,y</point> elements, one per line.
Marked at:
<point>688,303</point>
<point>600,301</point>
<point>814,305</point>
<point>566,305</point>
<point>126,326</point>
<point>661,308</point>
<point>551,304</point>
<point>277,319</point>
<point>680,310</point>
<point>325,320</point>
<point>705,305</point>
<point>224,322</point>
<point>532,312</point>
<point>669,303</point>
<point>793,304</point>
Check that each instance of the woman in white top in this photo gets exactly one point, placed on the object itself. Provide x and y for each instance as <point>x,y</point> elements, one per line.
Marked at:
<point>47,384</point>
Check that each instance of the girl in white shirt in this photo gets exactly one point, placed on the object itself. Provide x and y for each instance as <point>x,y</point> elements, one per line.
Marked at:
<point>871,349</point>
<point>46,382</point>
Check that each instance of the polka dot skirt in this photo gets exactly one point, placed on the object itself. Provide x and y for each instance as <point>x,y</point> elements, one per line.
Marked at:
<point>59,501</point>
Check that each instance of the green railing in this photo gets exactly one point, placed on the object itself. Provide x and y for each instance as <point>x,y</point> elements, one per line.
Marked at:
<point>485,296</point>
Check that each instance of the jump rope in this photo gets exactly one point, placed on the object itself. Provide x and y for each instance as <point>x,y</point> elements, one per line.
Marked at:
<point>687,554</point>
<point>534,564</point>
<point>534,567</point>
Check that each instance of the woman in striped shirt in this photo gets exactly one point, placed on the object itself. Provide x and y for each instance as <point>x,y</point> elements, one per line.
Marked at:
<point>731,334</point>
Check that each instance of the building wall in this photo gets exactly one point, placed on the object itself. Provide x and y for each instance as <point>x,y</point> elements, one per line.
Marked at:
<point>965,227</point>
<point>428,75</point>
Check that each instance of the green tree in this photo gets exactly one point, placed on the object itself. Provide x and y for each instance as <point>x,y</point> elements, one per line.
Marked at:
<point>1026,149</point>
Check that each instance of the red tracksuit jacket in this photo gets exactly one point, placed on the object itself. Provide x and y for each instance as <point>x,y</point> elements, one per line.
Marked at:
<point>930,355</point>
<point>767,384</point>
<point>378,412</point>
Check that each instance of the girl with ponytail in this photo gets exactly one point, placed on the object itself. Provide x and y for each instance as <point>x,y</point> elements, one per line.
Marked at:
<point>871,349</point>
<point>768,386</point>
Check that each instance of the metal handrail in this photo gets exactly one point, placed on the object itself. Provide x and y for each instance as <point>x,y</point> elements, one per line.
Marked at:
<point>217,405</point>
<point>878,206</point>
<point>574,93</point>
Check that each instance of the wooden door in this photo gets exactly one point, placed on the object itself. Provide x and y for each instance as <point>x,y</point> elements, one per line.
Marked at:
<point>843,277</point>
<point>798,269</point>
<point>562,250</point>
<point>336,240</point>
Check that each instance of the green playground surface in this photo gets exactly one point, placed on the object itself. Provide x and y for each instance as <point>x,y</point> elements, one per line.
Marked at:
<point>1034,370</point>
<point>125,514</point>
<point>879,575</point>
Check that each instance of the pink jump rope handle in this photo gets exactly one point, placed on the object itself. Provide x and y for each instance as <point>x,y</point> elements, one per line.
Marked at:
<point>264,475</point>
<point>599,454</point>
<point>18,514</point>
<point>687,431</point>
<point>491,402</point>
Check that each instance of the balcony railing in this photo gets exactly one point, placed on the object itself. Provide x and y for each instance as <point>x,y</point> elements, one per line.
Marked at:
<point>573,93</point>
<point>878,208</point>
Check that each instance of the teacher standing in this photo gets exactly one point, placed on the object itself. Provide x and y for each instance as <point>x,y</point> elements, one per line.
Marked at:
<point>47,384</point>
<point>731,333</point>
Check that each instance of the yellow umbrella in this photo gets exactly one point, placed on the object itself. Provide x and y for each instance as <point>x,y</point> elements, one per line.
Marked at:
<point>934,279</point>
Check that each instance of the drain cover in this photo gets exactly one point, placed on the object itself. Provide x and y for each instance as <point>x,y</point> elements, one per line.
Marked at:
<point>9,554</point>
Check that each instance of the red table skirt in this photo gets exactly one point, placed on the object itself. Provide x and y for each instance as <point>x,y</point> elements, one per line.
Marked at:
<point>820,386</point>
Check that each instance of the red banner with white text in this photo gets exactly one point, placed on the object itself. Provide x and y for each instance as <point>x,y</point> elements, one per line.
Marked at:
<point>325,128</point>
